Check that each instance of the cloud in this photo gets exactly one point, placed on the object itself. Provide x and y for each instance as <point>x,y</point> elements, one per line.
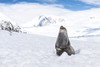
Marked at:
<point>25,12</point>
<point>94,2</point>
<point>47,0</point>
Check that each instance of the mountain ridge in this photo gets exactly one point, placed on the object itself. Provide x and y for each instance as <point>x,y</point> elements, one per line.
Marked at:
<point>8,24</point>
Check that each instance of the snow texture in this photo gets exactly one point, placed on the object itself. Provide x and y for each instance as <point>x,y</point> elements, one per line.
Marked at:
<point>30,50</point>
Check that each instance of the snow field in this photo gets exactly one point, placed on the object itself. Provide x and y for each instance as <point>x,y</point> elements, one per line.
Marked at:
<point>30,50</point>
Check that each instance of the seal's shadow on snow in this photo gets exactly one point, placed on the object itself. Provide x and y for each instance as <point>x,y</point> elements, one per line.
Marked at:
<point>77,51</point>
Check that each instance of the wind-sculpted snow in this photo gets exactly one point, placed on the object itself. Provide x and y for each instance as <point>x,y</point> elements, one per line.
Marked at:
<point>30,50</point>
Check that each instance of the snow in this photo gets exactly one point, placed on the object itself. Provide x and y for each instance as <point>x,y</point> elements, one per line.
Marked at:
<point>8,24</point>
<point>5,18</point>
<point>28,50</point>
<point>37,47</point>
<point>79,23</point>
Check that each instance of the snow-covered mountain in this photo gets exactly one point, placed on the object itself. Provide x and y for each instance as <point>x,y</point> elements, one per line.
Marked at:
<point>8,24</point>
<point>82,24</point>
<point>44,21</point>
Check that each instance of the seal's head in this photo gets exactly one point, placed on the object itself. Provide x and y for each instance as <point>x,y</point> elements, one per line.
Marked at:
<point>62,29</point>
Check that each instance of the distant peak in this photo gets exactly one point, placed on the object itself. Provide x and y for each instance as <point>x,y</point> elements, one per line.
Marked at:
<point>42,16</point>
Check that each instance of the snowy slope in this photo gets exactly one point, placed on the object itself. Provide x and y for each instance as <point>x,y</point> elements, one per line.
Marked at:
<point>5,18</point>
<point>26,50</point>
<point>42,21</point>
<point>5,23</point>
<point>77,23</point>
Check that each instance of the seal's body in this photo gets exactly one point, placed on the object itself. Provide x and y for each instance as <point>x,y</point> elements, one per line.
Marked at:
<point>63,43</point>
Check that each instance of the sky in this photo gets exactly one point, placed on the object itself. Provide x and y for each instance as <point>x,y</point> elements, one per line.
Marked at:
<point>74,5</point>
<point>25,11</point>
